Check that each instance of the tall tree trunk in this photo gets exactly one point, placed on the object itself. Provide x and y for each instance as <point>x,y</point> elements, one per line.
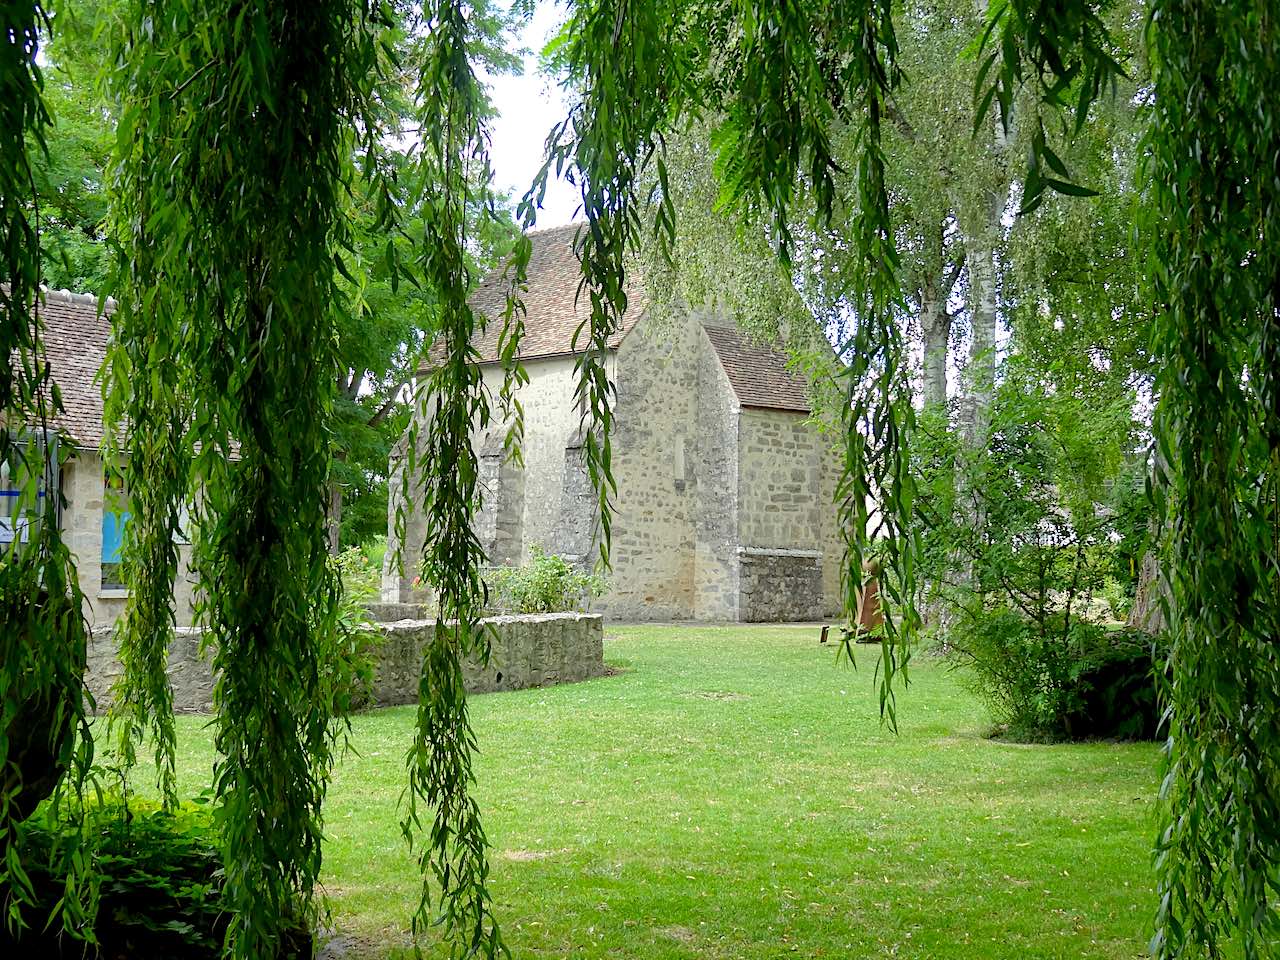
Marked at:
<point>1147,613</point>
<point>335,517</point>
<point>335,507</point>
<point>982,240</point>
<point>935,325</point>
<point>983,316</point>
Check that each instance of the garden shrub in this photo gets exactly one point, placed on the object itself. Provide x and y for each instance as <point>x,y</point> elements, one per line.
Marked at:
<point>158,883</point>
<point>1073,683</point>
<point>546,584</point>
<point>360,569</point>
<point>1117,689</point>
<point>350,665</point>
<point>1031,541</point>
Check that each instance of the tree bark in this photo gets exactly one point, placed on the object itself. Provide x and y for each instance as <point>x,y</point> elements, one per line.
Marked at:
<point>935,325</point>
<point>1147,613</point>
<point>335,517</point>
<point>983,316</point>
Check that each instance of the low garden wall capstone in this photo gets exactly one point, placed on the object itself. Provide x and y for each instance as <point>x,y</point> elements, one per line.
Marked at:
<point>527,651</point>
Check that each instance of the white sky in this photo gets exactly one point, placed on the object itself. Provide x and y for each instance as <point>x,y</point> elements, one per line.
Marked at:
<point>529,106</point>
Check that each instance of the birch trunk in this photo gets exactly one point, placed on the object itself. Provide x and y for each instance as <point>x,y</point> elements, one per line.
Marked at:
<point>935,325</point>
<point>983,316</point>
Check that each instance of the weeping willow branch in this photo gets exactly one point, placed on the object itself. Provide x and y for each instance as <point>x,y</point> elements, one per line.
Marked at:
<point>1213,234</point>
<point>631,75</point>
<point>777,81</point>
<point>230,199</point>
<point>1210,248</point>
<point>453,857</point>
<point>45,746</point>
<point>144,395</point>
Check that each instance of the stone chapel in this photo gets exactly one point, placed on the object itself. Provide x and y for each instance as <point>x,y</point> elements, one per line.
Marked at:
<point>725,487</point>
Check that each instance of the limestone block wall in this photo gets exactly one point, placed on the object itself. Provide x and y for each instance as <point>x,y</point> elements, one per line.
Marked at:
<point>698,477</point>
<point>527,651</point>
<point>500,520</point>
<point>832,542</point>
<point>578,531</point>
<point>786,481</point>
<point>385,611</point>
<point>781,585</point>
<point>82,485</point>
<point>551,421</point>
<point>716,565</point>
<point>190,674</point>
<point>655,452</point>
<point>521,507</point>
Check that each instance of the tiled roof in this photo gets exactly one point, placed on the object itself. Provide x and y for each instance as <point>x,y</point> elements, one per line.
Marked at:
<point>553,311</point>
<point>758,374</point>
<point>75,338</point>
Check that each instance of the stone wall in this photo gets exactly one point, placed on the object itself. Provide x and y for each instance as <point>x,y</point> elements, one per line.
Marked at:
<point>521,506</point>
<point>551,421</point>
<point>384,612</point>
<point>787,472</point>
<point>716,566</point>
<point>528,651</point>
<point>654,450</point>
<point>500,519</point>
<point>698,477</point>
<point>190,674</point>
<point>576,533</point>
<point>780,585</point>
<point>82,485</point>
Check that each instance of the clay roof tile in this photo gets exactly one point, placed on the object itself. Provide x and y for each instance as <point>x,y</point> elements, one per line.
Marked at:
<point>758,373</point>
<point>553,309</point>
<point>74,336</point>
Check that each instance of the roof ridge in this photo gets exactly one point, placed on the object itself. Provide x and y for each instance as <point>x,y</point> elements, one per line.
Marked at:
<point>536,231</point>
<point>82,299</point>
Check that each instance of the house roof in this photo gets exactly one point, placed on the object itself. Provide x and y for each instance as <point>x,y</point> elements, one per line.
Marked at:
<point>553,310</point>
<point>757,373</point>
<point>75,337</point>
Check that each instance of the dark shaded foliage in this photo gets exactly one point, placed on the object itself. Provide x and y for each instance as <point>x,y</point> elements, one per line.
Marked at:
<point>160,884</point>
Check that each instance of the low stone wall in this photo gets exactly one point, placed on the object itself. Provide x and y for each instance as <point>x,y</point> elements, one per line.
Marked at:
<point>780,585</point>
<point>527,651</point>
<point>385,611</point>
<point>190,674</point>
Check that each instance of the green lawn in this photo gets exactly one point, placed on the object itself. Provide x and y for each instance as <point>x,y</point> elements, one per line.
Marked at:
<point>731,793</point>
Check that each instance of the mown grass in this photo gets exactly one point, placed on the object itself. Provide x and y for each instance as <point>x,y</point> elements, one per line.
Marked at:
<point>731,793</point>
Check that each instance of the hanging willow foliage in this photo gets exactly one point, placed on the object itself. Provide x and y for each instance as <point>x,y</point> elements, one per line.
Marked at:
<point>1213,243</point>
<point>1211,240</point>
<point>455,176</point>
<point>45,744</point>
<point>238,124</point>
<point>776,79</point>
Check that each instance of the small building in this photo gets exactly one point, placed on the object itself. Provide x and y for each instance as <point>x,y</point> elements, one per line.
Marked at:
<point>725,487</point>
<point>75,335</point>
